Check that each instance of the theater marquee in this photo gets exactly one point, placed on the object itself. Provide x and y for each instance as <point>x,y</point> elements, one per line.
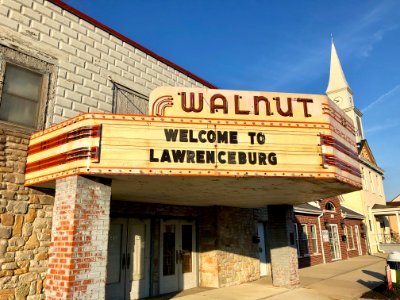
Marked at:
<point>193,132</point>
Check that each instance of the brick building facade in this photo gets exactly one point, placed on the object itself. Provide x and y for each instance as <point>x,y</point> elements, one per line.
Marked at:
<point>327,231</point>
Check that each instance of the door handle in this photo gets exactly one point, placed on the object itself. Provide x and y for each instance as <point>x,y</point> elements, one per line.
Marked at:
<point>128,261</point>
<point>123,261</point>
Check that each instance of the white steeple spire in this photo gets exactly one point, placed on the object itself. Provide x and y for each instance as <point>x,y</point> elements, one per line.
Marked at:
<point>337,80</point>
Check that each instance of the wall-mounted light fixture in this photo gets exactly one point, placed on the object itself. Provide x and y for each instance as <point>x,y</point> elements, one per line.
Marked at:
<point>327,223</point>
<point>342,224</point>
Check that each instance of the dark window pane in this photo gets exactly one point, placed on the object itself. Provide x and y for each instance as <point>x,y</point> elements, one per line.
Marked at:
<point>169,250</point>
<point>187,248</point>
<point>114,254</point>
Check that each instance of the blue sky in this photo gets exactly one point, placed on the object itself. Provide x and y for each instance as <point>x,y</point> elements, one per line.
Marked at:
<point>279,46</point>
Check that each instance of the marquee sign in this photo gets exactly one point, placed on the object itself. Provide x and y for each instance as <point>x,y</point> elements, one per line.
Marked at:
<point>205,133</point>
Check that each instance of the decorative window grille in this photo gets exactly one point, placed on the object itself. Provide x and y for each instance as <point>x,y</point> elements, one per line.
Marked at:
<point>127,101</point>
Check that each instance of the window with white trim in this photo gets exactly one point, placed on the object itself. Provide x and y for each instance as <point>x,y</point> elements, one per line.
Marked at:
<point>350,238</point>
<point>314,239</point>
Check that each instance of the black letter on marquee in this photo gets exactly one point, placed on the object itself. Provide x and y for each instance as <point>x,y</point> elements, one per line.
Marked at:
<point>272,159</point>
<point>190,157</point>
<point>183,135</point>
<point>152,158</point>
<point>178,155</point>
<point>165,156</point>
<point>242,158</point>
<point>252,135</point>
<point>171,134</point>
<point>220,159</point>
<point>210,157</point>
<point>262,158</point>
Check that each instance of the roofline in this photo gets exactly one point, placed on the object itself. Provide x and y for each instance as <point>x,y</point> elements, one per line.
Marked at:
<point>129,41</point>
<point>306,211</point>
<point>353,216</point>
<point>370,165</point>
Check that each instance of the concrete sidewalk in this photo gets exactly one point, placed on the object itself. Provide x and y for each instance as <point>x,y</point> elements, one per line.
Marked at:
<point>345,279</point>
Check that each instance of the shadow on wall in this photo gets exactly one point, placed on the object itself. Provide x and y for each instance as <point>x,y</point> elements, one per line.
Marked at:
<point>226,240</point>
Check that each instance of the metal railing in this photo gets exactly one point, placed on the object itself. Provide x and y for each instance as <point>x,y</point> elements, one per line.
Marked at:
<point>388,238</point>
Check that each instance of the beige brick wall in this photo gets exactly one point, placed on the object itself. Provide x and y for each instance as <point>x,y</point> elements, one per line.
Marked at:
<point>88,58</point>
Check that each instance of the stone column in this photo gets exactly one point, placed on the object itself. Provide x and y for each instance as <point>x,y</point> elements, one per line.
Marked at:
<point>79,239</point>
<point>284,261</point>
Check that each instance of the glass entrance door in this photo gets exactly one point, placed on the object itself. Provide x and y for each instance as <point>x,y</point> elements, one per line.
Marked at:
<point>334,241</point>
<point>178,256</point>
<point>128,264</point>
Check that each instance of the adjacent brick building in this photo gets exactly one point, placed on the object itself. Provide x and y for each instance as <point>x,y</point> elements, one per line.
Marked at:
<point>327,231</point>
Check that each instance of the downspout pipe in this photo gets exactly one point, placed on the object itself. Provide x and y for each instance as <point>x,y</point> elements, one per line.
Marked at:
<point>320,237</point>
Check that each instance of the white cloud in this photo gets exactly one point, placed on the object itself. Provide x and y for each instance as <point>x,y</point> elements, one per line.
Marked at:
<point>381,98</point>
<point>387,125</point>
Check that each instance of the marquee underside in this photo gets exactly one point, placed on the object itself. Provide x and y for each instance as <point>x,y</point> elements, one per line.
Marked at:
<point>247,192</point>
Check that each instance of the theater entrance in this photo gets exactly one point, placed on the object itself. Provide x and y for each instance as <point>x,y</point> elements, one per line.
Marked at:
<point>128,264</point>
<point>178,257</point>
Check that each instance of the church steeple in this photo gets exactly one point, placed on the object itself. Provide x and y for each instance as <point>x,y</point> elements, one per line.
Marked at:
<point>340,92</point>
<point>337,80</point>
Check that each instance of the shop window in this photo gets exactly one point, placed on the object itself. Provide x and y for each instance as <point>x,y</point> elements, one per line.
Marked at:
<point>304,240</point>
<point>24,91</point>
<point>329,206</point>
<point>314,239</point>
<point>127,101</point>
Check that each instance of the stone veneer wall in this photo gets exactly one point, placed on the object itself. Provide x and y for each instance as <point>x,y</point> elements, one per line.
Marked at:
<point>238,257</point>
<point>25,228</point>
